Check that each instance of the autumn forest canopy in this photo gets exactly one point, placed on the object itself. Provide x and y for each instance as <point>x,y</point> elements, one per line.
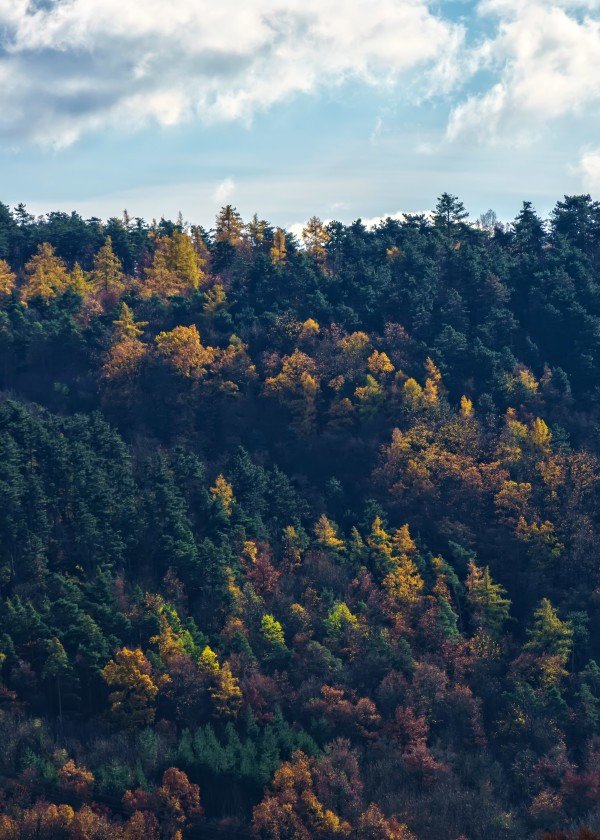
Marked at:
<point>300,536</point>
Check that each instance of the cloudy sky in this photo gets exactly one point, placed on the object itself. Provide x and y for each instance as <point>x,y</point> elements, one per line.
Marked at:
<point>343,108</point>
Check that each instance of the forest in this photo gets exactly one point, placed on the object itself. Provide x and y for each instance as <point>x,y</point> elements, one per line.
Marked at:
<point>300,536</point>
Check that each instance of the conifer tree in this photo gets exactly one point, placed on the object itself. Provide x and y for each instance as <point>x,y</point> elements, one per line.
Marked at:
<point>46,275</point>
<point>487,599</point>
<point>108,279</point>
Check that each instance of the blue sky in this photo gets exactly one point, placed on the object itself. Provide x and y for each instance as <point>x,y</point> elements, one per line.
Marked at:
<point>340,108</point>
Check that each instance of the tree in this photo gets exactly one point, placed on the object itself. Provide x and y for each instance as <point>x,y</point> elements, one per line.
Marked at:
<point>229,226</point>
<point>315,238</point>
<point>450,213</point>
<point>222,493</point>
<point>55,667</point>
<point>46,275</point>
<point>108,280</point>
<point>132,703</point>
<point>126,354</point>
<point>225,693</point>
<point>374,825</point>
<point>291,810</point>
<point>488,601</point>
<point>279,248</point>
<point>403,582</point>
<point>296,386</point>
<point>182,349</point>
<point>177,267</point>
<point>127,326</point>
<point>326,533</point>
<point>549,635</point>
<point>7,279</point>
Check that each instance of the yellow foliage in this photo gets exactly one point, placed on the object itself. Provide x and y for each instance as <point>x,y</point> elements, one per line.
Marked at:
<point>7,279</point>
<point>310,329</point>
<point>540,434</point>
<point>527,380</point>
<point>251,550</point>
<point>379,541</point>
<point>208,661</point>
<point>123,360</point>
<point>130,673</point>
<point>402,541</point>
<point>46,275</point>
<point>168,642</point>
<point>403,583</point>
<point>79,282</point>
<point>466,407</point>
<point>370,396</point>
<point>183,349</point>
<point>296,386</point>
<point>226,694</point>
<point>413,393</point>
<point>278,248</point>
<point>356,345</point>
<point>541,537</point>
<point>222,491</point>
<point>229,226</point>
<point>326,534</point>
<point>379,364</point>
<point>176,267</point>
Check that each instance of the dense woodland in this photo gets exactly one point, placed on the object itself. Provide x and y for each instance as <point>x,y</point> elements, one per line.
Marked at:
<point>300,539</point>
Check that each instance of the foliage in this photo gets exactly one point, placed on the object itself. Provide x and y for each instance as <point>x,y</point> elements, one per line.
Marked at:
<point>299,537</point>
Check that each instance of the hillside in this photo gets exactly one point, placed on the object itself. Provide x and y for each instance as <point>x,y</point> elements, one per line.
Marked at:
<point>300,539</point>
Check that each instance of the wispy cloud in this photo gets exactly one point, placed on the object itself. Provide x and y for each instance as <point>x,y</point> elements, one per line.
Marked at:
<point>589,169</point>
<point>224,191</point>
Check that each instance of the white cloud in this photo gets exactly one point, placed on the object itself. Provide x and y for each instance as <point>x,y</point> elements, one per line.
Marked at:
<point>78,65</point>
<point>545,63</point>
<point>224,191</point>
<point>589,170</point>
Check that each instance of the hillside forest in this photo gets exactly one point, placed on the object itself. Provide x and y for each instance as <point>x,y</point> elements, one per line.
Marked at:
<point>300,536</point>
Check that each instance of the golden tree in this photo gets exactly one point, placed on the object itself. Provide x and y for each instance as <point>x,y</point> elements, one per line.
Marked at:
<point>183,350</point>
<point>279,248</point>
<point>132,701</point>
<point>7,279</point>
<point>177,267</point>
<point>46,275</point>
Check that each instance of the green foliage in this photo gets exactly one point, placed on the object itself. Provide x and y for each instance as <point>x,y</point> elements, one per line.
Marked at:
<point>329,543</point>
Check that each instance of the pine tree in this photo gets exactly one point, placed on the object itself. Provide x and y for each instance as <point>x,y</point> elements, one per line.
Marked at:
<point>450,213</point>
<point>487,600</point>
<point>549,635</point>
<point>315,239</point>
<point>127,326</point>
<point>108,280</point>
<point>229,226</point>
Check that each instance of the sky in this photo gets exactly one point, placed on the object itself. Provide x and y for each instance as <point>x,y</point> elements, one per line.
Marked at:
<point>343,109</point>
